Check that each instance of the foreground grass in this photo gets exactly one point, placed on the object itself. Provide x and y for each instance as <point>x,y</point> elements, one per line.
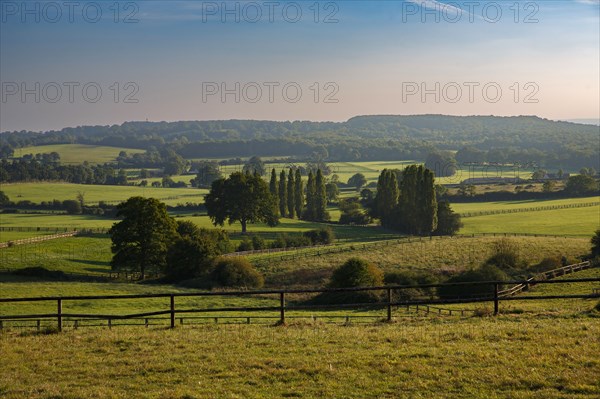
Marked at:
<point>503,357</point>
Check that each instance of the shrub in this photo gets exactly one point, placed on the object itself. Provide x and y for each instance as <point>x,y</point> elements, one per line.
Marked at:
<point>72,207</point>
<point>258,243</point>
<point>236,272</point>
<point>486,272</point>
<point>245,245</point>
<point>354,272</point>
<point>505,256</point>
<point>546,264</point>
<point>320,236</point>
<point>287,241</point>
<point>411,278</point>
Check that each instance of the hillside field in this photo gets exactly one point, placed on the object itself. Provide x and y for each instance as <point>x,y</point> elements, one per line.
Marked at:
<point>72,154</point>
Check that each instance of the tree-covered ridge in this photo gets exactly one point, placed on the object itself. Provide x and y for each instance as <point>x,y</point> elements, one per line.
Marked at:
<point>379,137</point>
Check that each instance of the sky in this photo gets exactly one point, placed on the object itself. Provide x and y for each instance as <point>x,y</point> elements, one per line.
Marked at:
<point>105,62</point>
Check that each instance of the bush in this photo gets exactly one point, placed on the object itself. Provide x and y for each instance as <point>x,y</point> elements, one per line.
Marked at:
<point>486,272</point>
<point>320,236</point>
<point>72,207</point>
<point>411,278</point>
<point>505,256</point>
<point>286,241</point>
<point>353,273</point>
<point>236,272</point>
<point>245,245</point>
<point>546,264</point>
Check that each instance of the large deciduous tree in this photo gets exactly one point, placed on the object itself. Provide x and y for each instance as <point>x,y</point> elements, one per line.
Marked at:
<point>141,239</point>
<point>242,197</point>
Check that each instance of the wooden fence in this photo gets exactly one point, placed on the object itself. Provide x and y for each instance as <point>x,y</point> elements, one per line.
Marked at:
<point>550,274</point>
<point>388,304</point>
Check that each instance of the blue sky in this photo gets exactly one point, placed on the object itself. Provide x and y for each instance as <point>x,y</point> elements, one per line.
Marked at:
<point>360,57</point>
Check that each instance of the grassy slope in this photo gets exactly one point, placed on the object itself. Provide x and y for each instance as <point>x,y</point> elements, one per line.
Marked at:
<point>78,153</point>
<point>503,357</point>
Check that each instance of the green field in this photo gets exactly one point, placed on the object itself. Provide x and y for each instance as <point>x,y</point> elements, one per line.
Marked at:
<point>471,207</point>
<point>38,192</point>
<point>78,153</point>
<point>503,357</point>
<point>572,222</point>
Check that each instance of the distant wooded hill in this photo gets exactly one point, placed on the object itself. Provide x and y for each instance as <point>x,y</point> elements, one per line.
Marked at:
<point>523,139</point>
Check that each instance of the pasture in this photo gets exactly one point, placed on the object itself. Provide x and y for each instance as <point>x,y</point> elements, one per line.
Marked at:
<point>512,356</point>
<point>93,194</point>
<point>74,154</point>
<point>569,222</point>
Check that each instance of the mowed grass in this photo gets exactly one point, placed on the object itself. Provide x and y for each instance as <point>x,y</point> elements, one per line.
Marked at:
<point>44,191</point>
<point>87,255</point>
<point>502,357</point>
<point>569,222</point>
<point>78,153</point>
<point>472,207</point>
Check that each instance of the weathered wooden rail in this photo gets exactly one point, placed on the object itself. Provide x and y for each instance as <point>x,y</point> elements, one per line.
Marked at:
<point>387,303</point>
<point>550,274</point>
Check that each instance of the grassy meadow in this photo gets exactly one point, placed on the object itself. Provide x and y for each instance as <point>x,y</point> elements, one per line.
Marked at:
<point>78,153</point>
<point>44,191</point>
<point>511,356</point>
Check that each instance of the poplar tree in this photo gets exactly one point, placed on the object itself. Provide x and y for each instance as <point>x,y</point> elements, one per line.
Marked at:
<point>321,197</point>
<point>298,194</point>
<point>282,194</point>
<point>273,189</point>
<point>386,199</point>
<point>309,212</point>
<point>291,198</point>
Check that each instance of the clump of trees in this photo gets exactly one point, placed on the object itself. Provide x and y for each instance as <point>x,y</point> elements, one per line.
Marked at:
<point>355,272</point>
<point>236,272</point>
<point>242,197</point>
<point>406,201</point>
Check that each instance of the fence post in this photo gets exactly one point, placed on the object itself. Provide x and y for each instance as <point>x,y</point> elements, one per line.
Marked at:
<point>389,304</point>
<point>59,314</point>
<point>282,307</point>
<point>495,298</point>
<point>172,311</point>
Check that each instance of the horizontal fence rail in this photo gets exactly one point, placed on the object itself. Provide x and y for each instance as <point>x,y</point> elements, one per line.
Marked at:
<point>386,301</point>
<point>35,239</point>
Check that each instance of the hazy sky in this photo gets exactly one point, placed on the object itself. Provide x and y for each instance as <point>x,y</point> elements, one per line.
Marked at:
<point>194,60</point>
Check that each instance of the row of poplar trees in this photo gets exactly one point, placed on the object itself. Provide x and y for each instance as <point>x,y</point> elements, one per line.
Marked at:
<point>406,200</point>
<point>289,193</point>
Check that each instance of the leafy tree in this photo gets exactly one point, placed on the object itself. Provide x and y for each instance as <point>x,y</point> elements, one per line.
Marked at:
<point>72,207</point>
<point>332,191</point>
<point>241,197</point>
<point>505,256</point>
<point>581,185</point>
<point>548,186</point>
<point>486,272</point>
<point>442,164</point>
<point>255,165</point>
<point>207,173</point>
<point>174,164</point>
<point>596,244</point>
<point>467,190</point>
<point>353,213</point>
<point>298,193</point>
<point>192,254</point>
<point>4,200</point>
<point>291,208</point>
<point>322,236</point>
<point>141,239</point>
<point>417,205</point>
<point>357,180</point>
<point>386,198</point>
<point>356,272</point>
<point>539,174</point>
<point>283,194</point>
<point>448,221</point>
